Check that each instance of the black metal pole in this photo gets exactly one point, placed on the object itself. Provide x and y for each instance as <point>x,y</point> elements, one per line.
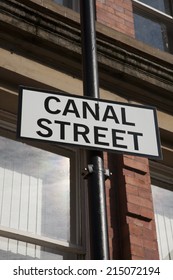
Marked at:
<point>96,183</point>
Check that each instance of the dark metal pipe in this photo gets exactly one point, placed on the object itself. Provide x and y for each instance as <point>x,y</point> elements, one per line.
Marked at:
<point>89,51</point>
<point>96,181</point>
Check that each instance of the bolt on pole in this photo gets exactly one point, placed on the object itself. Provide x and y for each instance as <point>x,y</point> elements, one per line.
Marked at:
<point>96,180</point>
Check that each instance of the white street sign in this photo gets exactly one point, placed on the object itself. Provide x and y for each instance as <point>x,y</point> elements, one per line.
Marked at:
<point>91,123</point>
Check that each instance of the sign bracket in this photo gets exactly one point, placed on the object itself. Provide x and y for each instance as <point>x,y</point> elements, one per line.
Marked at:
<point>90,169</point>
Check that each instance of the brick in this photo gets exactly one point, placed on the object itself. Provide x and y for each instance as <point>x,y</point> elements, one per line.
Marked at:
<point>109,9</point>
<point>108,210</point>
<point>137,250</point>
<point>133,208</point>
<point>127,172</point>
<point>140,223</point>
<point>149,234</point>
<point>124,16</point>
<point>142,240</point>
<point>141,211</point>
<point>137,258</point>
<point>150,244</point>
<point>136,230</point>
<point>146,177</point>
<point>144,224</point>
<point>110,232</point>
<point>116,14</point>
<point>136,240</point>
<point>139,201</point>
<point>136,164</point>
<point>147,213</point>
<point>136,182</point>
<point>118,8</point>
<point>128,5</point>
<point>132,172</point>
<point>109,2</point>
<point>145,193</point>
<point>151,255</point>
<point>132,189</point>
<point>141,159</point>
<point>124,29</point>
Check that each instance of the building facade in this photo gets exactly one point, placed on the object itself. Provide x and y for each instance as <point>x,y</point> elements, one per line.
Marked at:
<point>43,196</point>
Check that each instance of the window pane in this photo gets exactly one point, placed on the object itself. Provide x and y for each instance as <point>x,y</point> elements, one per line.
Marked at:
<point>72,4</point>
<point>59,1</point>
<point>34,190</point>
<point>163,208</point>
<point>151,32</point>
<point>161,5</point>
<point>17,250</point>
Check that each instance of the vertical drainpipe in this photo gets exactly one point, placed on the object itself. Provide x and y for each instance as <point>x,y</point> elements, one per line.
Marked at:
<point>96,180</point>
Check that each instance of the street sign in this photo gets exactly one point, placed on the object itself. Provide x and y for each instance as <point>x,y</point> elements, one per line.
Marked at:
<point>91,123</point>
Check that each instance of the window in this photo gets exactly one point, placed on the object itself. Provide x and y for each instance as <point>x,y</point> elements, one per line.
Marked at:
<point>162,192</point>
<point>163,207</point>
<point>39,211</point>
<point>72,4</point>
<point>153,23</point>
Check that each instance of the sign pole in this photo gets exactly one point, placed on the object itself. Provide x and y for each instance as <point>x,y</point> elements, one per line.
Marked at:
<point>96,180</point>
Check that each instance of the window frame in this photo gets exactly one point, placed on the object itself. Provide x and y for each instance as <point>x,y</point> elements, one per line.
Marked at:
<point>73,3</point>
<point>161,174</point>
<point>162,177</point>
<point>8,130</point>
<point>157,16</point>
<point>59,245</point>
<point>149,10</point>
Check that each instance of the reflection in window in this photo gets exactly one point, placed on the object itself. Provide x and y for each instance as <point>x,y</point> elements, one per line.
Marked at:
<point>161,5</point>
<point>163,208</point>
<point>151,32</point>
<point>72,4</point>
<point>17,250</point>
<point>153,23</point>
<point>34,193</point>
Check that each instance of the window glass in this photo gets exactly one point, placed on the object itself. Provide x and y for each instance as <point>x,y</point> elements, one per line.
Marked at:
<point>59,1</point>
<point>72,4</point>
<point>151,27</point>
<point>17,250</point>
<point>161,5</point>
<point>151,32</point>
<point>35,192</point>
<point>163,208</point>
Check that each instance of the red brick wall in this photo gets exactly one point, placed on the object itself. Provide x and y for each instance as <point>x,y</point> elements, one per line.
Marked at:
<point>116,14</point>
<point>132,232</point>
